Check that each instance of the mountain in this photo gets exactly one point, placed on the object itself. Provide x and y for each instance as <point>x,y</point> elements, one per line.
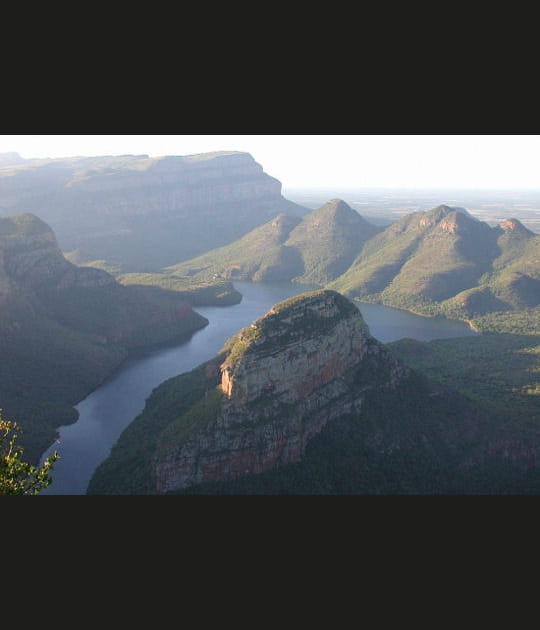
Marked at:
<point>139,212</point>
<point>444,261</point>
<point>306,401</point>
<point>10,159</point>
<point>64,329</point>
<point>313,250</point>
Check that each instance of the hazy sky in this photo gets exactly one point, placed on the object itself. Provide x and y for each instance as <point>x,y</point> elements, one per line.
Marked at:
<point>333,161</point>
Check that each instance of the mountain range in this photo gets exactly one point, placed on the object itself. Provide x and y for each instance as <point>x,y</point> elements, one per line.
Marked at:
<point>312,250</point>
<point>304,400</point>
<point>437,262</point>
<point>143,213</point>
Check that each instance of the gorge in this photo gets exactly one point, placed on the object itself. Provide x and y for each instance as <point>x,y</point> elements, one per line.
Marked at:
<point>305,400</point>
<point>107,411</point>
<point>143,213</point>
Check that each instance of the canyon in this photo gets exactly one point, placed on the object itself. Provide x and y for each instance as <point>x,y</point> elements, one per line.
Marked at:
<point>64,329</point>
<point>143,213</point>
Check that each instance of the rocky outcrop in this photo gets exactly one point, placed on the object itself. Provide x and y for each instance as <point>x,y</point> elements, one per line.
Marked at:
<point>30,256</point>
<point>64,328</point>
<point>112,207</point>
<point>306,362</point>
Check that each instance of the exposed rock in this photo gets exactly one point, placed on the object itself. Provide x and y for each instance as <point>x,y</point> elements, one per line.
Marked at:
<point>64,328</point>
<point>111,207</point>
<point>282,380</point>
<point>34,260</point>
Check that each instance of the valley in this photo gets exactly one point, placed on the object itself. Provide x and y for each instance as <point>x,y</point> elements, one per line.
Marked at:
<point>107,260</point>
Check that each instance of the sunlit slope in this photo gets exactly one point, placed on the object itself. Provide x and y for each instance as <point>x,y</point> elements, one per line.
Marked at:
<point>259,255</point>
<point>444,260</point>
<point>329,239</point>
<point>313,250</point>
<point>513,282</point>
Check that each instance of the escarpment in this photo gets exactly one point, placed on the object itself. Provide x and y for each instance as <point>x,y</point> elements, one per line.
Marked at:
<point>64,329</point>
<point>172,207</point>
<point>308,361</point>
<point>31,258</point>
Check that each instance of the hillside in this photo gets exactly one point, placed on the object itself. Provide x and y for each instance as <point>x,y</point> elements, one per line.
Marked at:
<point>141,213</point>
<point>64,329</point>
<point>312,250</point>
<point>445,262</point>
<point>306,401</point>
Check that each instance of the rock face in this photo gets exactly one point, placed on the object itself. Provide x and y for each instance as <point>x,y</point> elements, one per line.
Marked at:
<point>111,207</point>
<point>281,381</point>
<point>31,259</point>
<point>64,329</point>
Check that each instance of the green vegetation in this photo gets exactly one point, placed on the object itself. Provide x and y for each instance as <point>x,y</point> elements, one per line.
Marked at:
<point>141,213</point>
<point>16,475</point>
<point>47,368</point>
<point>523,322</point>
<point>260,255</point>
<point>76,257</point>
<point>193,420</point>
<point>427,436</point>
<point>313,250</point>
<point>500,371</point>
<point>128,469</point>
<point>217,293</point>
<point>446,263</point>
<point>22,225</point>
<point>64,329</point>
<point>402,441</point>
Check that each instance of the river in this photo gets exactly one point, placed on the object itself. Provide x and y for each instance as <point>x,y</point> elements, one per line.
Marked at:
<point>107,411</point>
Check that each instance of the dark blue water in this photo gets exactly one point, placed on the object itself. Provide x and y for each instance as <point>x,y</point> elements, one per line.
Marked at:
<point>107,411</point>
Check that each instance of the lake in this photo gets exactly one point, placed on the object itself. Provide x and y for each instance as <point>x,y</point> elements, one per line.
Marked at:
<point>107,411</point>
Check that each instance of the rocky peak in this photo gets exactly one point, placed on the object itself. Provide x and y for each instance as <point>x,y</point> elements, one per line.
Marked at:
<point>30,257</point>
<point>300,321</point>
<point>335,211</point>
<point>309,360</point>
<point>515,226</point>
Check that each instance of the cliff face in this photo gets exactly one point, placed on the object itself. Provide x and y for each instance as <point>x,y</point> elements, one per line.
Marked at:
<point>64,329</point>
<point>305,401</point>
<point>281,381</point>
<point>31,259</point>
<point>110,207</point>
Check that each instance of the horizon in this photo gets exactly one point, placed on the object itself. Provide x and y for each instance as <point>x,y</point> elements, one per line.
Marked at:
<point>346,162</point>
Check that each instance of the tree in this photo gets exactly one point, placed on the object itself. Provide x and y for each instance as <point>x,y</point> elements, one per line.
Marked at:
<point>17,476</point>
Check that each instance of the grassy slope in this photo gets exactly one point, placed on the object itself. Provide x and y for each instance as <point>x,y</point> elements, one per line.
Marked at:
<point>499,370</point>
<point>259,255</point>
<point>444,262</point>
<point>328,240</point>
<point>128,469</point>
<point>313,250</point>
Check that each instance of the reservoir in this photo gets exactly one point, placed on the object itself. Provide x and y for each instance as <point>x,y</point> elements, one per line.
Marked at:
<point>107,411</point>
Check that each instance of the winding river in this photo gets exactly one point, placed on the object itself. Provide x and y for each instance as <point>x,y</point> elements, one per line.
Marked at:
<point>107,411</point>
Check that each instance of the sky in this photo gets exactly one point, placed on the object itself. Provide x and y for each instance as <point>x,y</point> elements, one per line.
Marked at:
<point>331,161</point>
